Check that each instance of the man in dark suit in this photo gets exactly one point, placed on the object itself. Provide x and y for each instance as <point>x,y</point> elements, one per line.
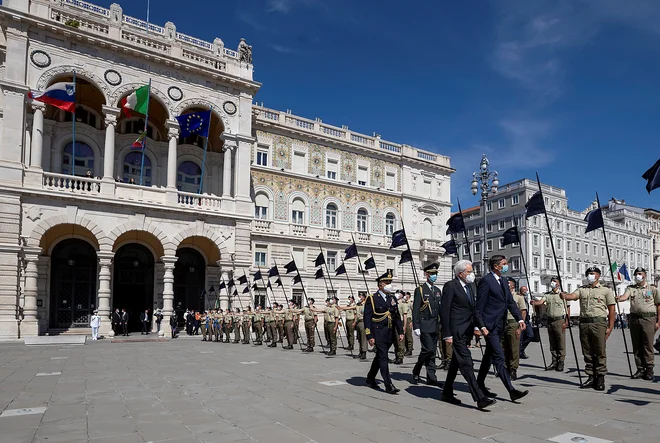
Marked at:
<point>425,314</point>
<point>460,318</point>
<point>494,299</point>
<point>144,319</point>
<point>116,321</point>
<point>382,325</point>
<point>124,322</point>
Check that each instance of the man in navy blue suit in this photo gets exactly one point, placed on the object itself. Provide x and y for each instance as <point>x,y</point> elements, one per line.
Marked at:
<point>494,299</point>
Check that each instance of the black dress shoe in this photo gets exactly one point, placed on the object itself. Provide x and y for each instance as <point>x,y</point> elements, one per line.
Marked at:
<point>371,382</point>
<point>451,400</point>
<point>487,393</point>
<point>416,378</point>
<point>517,395</point>
<point>638,374</point>
<point>392,390</point>
<point>588,384</point>
<point>434,383</point>
<point>485,403</point>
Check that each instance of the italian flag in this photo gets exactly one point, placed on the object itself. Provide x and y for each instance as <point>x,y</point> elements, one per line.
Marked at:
<point>139,143</point>
<point>615,271</point>
<point>136,102</point>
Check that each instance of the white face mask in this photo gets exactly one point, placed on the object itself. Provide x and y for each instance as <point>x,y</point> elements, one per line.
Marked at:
<point>388,289</point>
<point>553,284</point>
<point>470,277</point>
<point>591,278</point>
<point>639,278</point>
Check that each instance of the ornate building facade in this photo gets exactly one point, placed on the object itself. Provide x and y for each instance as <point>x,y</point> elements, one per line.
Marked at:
<point>92,224</point>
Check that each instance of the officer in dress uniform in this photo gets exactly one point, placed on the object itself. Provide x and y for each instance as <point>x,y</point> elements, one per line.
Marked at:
<point>557,322</point>
<point>425,313</point>
<point>596,324</point>
<point>382,325</point>
<point>644,321</point>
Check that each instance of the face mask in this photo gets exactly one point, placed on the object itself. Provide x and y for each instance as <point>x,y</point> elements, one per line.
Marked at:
<point>639,278</point>
<point>505,269</point>
<point>553,284</point>
<point>470,277</point>
<point>591,278</point>
<point>388,289</point>
<point>433,278</point>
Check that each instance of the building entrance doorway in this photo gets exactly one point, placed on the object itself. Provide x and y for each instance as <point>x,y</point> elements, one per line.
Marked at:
<point>133,287</point>
<point>189,280</point>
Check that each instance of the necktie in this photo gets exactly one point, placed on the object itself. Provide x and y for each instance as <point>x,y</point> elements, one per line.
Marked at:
<point>503,286</point>
<point>469,292</point>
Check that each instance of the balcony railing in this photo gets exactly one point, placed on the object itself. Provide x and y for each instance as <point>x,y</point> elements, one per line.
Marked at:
<point>363,237</point>
<point>201,201</point>
<point>299,230</point>
<point>262,225</point>
<point>69,183</point>
<point>332,234</point>
<point>431,245</point>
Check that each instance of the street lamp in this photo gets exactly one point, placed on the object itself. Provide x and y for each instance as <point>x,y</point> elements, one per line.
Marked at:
<point>487,181</point>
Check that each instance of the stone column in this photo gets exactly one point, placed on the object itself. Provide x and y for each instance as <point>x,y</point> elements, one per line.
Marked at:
<point>168,290</point>
<point>111,115</point>
<point>224,298</point>
<point>37,135</point>
<point>173,134</point>
<point>42,293</point>
<point>226,171</point>
<point>103,302</point>
<point>29,324</point>
<point>47,145</point>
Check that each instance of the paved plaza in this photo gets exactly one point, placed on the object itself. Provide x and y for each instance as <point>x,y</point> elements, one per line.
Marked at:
<point>186,390</point>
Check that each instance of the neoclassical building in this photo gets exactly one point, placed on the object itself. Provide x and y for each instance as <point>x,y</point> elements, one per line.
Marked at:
<point>89,223</point>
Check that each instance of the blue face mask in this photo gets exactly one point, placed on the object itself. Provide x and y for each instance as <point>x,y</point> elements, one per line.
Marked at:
<point>505,269</point>
<point>433,278</point>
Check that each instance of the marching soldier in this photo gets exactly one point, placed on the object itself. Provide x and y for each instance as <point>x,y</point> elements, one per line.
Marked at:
<point>557,322</point>
<point>258,323</point>
<point>644,321</point>
<point>247,325</point>
<point>279,322</point>
<point>382,324</point>
<point>219,320</point>
<point>226,325</point>
<point>596,324</point>
<point>237,321</point>
<point>511,338</point>
<point>272,327</point>
<point>408,329</point>
<point>330,324</point>
<point>204,324</point>
<point>425,313</point>
<point>350,321</point>
<point>310,319</point>
<point>296,323</point>
<point>288,315</point>
<point>359,326</point>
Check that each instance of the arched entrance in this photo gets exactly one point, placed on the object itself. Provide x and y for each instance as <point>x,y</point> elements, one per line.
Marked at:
<point>133,287</point>
<point>189,280</point>
<point>73,284</point>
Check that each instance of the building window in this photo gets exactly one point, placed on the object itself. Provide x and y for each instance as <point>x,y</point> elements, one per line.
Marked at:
<point>515,200</point>
<point>260,253</point>
<point>362,217</point>
<point>586,249</point>
<point>477,230</point>
<point>489,245</point>
<point>299,162</point>
<point>547,263</point>
<point>427,228</point>
<point>577,247</point>
<point>578,268</point>
<point>298,212</point>
<point>390,181</point>
<point>332,260</point>
<point>489,206</point>
<point>569,266</point>
<point>262,158</point>
<point>297,297</point>
<point>570,287</point>
<point>515,264</point>
<point>536,286</point>
<point>502,225</point>
<point>84,159</point>
<point>559,242</point>
<point>299,257</point>
<point>426,189</point>
<point>476,267</point>
<point>568,246</point>
<point>602,251</point>
<point>489,227</point>
<point>331,216</point>
<point>535,240</point>
<point>332,168</point>
<point>260,297</point>
<point>188,177</point>
<point>547,242</point>
<point>363,175</point>
<point>132,166</point>
<point>466,251</point>
<point>261,204</point>
<point>477,248</point>
<point>391,263</point>
<point>501,243</point>
<point>390,223</point>
<point>500,204</point>
<point>535,262</point>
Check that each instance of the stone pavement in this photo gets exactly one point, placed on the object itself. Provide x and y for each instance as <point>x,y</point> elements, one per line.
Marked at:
<point>186,390</point>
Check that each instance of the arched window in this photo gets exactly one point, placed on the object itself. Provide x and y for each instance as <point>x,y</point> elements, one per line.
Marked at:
<point>427,229</point>
<point>136,126</point>
<point>132,166</point>
<point>83,115</point>
<point>84,160</point>
<point>298,212</point>
<point>261,204</point>
<point>331,216</point>
<point>362,216</point>
<point>390,223</point>
<point>188,177</point>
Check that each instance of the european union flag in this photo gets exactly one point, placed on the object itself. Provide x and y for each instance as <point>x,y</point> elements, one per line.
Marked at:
<point>455,224</point>
<point>450,247</point>
<point>351,252</point>
<point>195,123</point>
<point>398,239</point>
<point>510,236</point>
<point>535,205</point>
<point>594,220</point>
<point>652,177</point>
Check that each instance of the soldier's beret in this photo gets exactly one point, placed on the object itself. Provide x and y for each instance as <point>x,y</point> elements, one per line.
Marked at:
<point>432,268</point>
<point>592,269</point>
<point>640,269</point>
<point>311,300</point>
<point>386,277</point>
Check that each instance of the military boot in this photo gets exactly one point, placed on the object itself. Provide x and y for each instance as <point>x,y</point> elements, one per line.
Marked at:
<point>588,384</point>
<point>639,374</point>
<point>648,374</point>
<point>599,384</point>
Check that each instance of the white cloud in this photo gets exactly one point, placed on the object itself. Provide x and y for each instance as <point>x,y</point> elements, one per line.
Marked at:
<point>285,6</point>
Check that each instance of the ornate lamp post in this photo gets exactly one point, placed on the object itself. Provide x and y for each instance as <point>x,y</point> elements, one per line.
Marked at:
<point>488,182</point>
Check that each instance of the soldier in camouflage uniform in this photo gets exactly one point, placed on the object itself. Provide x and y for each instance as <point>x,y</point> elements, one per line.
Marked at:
<point>557,322</point>
<point>237,321</point>
<point>511,336</point>
<point>258,323</point>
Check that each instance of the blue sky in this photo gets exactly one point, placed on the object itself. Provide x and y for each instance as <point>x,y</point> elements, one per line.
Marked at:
<point>567,88</point>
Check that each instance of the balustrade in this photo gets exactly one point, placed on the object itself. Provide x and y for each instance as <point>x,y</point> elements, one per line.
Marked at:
<point>71,183</point>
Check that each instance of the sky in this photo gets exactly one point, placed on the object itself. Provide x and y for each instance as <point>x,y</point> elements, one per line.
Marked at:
<point>566,88</point>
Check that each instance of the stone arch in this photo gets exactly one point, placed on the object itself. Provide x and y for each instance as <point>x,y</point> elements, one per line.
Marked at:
<point>156,93</point>
<point>94,79</point>
<point>38,231</point>
<point>199,231</point>
<point>84,135</point>
<point>166,243</point>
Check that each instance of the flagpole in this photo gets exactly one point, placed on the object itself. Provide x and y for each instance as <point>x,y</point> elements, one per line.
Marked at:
<point>350,290</point>
<point>531,306</point>
<point>274,339</point>
<point>228,303</point>
<point>306,303</point>
<point>616,299</point>
<point>412,260</point>
<point>146,129</point>
<point>73,125</point>
<point>561,280</point>
<point>375,267</point>
<point>335,294</point>
<point>240,302</point>
<point>360,266</point>
<point>206,143</point>
<point>285,297</point>
<point>252,300</point>
<point>467,242</point>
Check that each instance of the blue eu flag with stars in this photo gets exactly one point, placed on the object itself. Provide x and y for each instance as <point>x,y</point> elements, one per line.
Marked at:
<point>196,123</point>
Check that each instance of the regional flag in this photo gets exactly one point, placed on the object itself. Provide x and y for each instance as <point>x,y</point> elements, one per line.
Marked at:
<point>60,95</point>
